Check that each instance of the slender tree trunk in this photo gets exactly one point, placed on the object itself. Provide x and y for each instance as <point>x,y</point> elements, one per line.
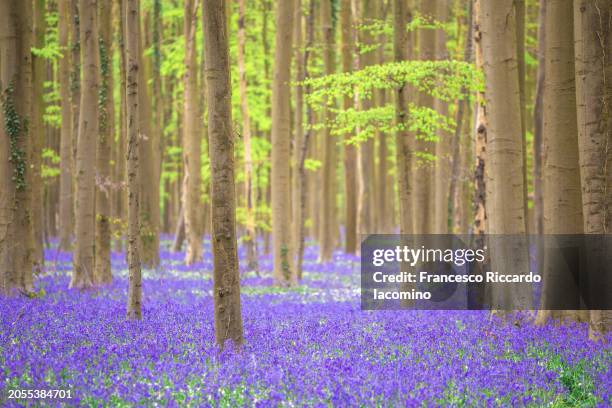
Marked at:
<point>149,190</point>
<point>480,144</point>
<point>103,273</point>
<point>520,58</point>
<point>191,140</point>
<point>350,150</point>
<point>83,259</point>
<point>121,163</point>
<point>132,15</point>
<point>75,85</point>
<point>504,173</point>
<point>442,168</point>
<point>328,175</point>
<point>366,196</point>
<point>593,47</point>
<point>402,49</point>
<point>281,139</point>
<point>15,147</point>
<point>37,132</point>
<point>66,208</point>
<point>228,318</point>
<point>249,191</point>
<point>423,169</point>
<point>455,192</point>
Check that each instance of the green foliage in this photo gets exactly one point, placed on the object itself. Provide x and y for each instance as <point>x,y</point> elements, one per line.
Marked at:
<point>50,165</point>
<point>444,80</point>
<point>15,127</point>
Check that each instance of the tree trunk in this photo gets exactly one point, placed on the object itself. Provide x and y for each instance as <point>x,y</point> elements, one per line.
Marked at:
<point>366,197</point>
<point>350,150</point>
<point>281,138</point>
<point>328,175</point>
<point>561,172</point>
<point>37,132</point>
<point>149,185</point>
<point>134,304</point>
<point>66,203</point>
<point>504,172</point>
<point>83,259</point>
<point>455,194</point>
<point>249,191</point>
<point>402,48</point>
<point>15,146</point>
<point>424,169</point>
<point>593,47</point>
<point>442,168</point>
<point>228,318</point>
<point>121,163</point>
<point>191,140</point>
<point>103,273</point>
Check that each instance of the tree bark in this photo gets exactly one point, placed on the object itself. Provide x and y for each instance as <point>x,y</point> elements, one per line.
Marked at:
<point>423,169</point>
<point>402,49</point>
<point>37,132</point>
<point>66,203</point>
<point>228,318</point>
<point>504,171</point>
<point>366,196</point>
<point>442,168</point>
<point>15,147</point>
<point>103,273</point>
<point>328,175</point>
<point>350,150</point>
<point>132,15</point>
<point>83,259</point>
<point>250,238</point>
<point>281,138</point>
<point>593,46</point>
<point>191,140</point>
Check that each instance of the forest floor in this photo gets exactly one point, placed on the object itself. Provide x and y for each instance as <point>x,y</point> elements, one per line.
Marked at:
<point>305,346</point>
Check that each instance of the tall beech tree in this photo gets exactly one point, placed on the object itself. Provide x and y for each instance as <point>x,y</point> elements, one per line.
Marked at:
<point>103,273</point>
<point>402,50</point>
<point>249,189</point>
<point>83,259</point>
<point>66,200</point>
<point>504,145</point>
<point>593,66</point>
<point>132,25</point>
<point>16,260</point>
<point>561,172</point>
<point>226,276</point>
<point>191,138</point>
<point>328,196</point>
<point>281,143</point>
<point>350,150</point>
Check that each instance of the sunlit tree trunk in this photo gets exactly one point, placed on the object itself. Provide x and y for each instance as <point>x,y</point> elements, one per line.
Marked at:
<point>121,164</point>
<point>132,20</point>
<point>366,14</point>
<point>66,203</point>
<point>102,273</point>
<point>249,191</point>
<point>281,139</point>
<point>593,50</point>
<point>37,132</point>
<point>191,140</point>
<point>83,258</point>
<point>228,318</point>
<point>423,170</point>
<point>442,167</point>
<point>328,175</point>
<point>15,147</point>
<point>350,150</point>
<point>561,171</point>
<point>402,49</point>
<point>504,171</point>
